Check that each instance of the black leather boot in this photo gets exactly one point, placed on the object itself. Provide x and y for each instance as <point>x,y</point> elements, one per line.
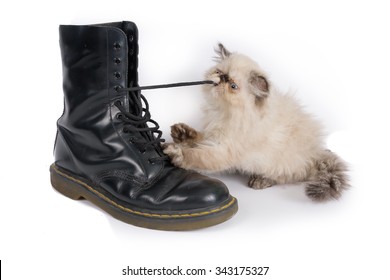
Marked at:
<point>107,148</point>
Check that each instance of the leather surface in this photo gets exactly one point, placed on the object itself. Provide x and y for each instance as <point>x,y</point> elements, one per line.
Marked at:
<point>91,143</point>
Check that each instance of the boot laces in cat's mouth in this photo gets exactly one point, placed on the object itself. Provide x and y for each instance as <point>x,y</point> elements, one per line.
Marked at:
<point>139,122</point>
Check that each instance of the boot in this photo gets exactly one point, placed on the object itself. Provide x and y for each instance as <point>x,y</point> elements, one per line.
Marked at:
<point>107,148</point>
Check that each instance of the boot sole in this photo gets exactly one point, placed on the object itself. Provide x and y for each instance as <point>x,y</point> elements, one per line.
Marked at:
<point>78,188</point>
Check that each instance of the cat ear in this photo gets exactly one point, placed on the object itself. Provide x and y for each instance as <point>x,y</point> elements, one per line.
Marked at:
<point>258,85</point>
<point>222,52</point>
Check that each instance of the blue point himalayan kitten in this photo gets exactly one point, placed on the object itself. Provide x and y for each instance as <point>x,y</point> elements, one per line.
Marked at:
<point>251,128</point>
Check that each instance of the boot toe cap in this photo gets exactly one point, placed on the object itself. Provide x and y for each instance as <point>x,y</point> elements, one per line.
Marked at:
<point>182,190</point>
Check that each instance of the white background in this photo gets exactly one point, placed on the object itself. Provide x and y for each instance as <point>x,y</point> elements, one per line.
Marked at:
<point>333,54</point>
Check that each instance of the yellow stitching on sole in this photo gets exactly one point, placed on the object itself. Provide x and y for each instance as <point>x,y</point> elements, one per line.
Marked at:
<point>138,212</point>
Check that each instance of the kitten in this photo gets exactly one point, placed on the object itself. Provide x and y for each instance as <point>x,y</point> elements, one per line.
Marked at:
<point>252,128</point>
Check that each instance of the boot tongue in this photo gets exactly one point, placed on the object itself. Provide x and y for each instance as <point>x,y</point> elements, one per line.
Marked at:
<point>134,102</point>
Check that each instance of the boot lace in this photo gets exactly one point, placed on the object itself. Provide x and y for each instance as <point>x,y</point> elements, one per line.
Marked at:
<point>141,123</point>
<point>138,122</point>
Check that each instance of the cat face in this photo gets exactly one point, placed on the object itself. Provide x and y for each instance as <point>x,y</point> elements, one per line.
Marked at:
<point>237,79</point>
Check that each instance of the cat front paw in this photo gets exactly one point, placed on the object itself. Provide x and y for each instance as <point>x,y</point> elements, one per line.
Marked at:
<point>259,182</point>
<point>181,132</point>
<point>175,153</point>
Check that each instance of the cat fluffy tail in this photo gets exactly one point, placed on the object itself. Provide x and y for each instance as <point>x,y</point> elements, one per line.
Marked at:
<point>328,179</point>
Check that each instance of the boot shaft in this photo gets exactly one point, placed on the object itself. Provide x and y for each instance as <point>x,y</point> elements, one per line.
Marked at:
<point>98,60</point>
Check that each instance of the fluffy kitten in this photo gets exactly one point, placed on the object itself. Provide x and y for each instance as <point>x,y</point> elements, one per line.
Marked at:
<point>252,128</point>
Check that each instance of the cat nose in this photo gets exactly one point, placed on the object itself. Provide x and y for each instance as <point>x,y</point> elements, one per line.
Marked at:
<point>224,78</point>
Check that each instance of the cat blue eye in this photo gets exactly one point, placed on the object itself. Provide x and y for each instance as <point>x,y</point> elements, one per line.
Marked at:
<point>234,86</point>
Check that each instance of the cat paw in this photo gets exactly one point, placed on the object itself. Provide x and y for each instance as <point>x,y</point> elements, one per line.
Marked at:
<point>174,152</point>
<point>181,132</point>
<point>260,182</point>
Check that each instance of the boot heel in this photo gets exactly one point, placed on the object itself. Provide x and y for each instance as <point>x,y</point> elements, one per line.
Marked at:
<point>64,185</point>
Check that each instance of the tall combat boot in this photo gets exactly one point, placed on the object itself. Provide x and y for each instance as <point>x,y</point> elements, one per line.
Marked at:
<point>107,148</point>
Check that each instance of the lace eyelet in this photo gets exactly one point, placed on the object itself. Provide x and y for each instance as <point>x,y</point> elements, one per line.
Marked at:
<point>119,116</point>
<point>117,75</point>
<point>131,38</point>
<point>131,51</point>
<point>117,46</point>
<point>117,88</point>
<point>117,60</point>
<point>125,130</point>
